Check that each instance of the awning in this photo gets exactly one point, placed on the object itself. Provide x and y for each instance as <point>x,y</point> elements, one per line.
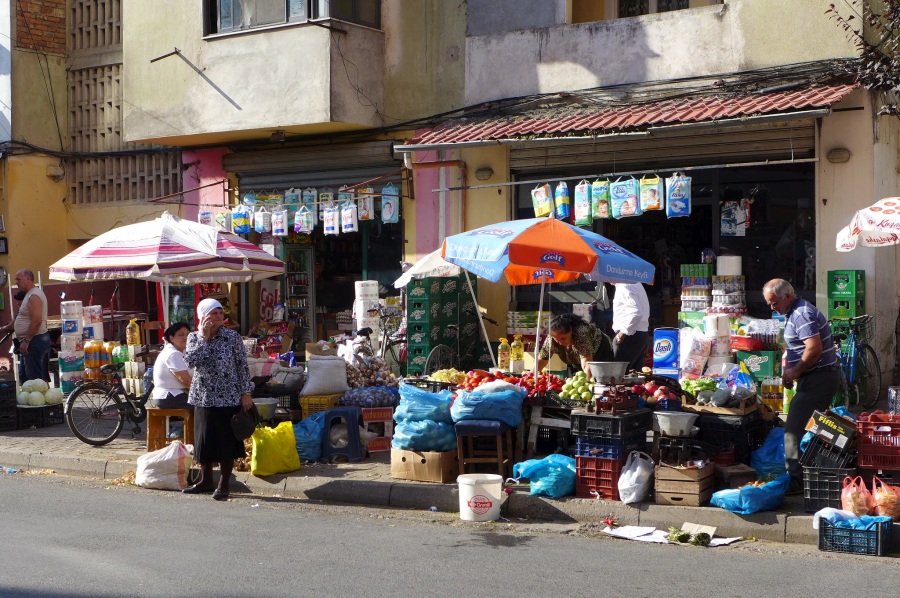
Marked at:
<point>579,122</point>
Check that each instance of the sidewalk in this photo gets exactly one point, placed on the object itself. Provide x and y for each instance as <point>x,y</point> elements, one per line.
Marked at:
<point>370,483</point>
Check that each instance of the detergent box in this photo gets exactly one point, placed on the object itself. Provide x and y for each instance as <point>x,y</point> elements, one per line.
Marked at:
<point>665,352</point>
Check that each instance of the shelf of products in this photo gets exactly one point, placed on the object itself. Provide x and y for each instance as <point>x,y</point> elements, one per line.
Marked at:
<point>299,291</point>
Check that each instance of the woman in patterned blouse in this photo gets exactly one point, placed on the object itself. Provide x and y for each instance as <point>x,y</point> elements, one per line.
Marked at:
<point>576,342</point>
<point>220,387</point>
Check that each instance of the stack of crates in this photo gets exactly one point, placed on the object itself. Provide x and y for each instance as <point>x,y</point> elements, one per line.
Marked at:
<point>878,444</point>
<point>435,315</point>
<point>745,432</point>
<point>602,446</point>
<point>846,294</point>
<point>8,418</point>
<point>829,457</point>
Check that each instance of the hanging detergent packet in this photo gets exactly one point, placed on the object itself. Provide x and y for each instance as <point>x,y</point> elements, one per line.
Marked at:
<point>561,199</point>
<point>206,216</point>
<point>651,193</point>
<point>540,199</point>
<point>583,203</point>
<point>262,220</point>
<point>280,222</point>
<point>390,204</point>
<point>600,199</point>
<point>349,222</point>
<point>623,198</point>
<point>331,219</point>
<point>303,220</point>
<point>326,199</point>
<point>248,198</point>
<point>223,221</point>
<point>291,197</point>
<point>366,203</point>
<point>241,217</point>
<point>309,197</point>
<point>678,196</point>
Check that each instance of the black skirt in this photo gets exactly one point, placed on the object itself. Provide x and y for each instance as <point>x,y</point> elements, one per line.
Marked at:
<point>214,442</point>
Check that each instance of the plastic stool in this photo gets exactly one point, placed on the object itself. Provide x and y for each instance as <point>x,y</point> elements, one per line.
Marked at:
<point>502,454</point>
<point>158,427</point>
<point>354,450</point>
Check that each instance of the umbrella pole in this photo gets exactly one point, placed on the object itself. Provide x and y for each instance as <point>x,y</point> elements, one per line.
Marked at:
<point>480,319</point>
<point>165,303</point>
<point>537,331</point>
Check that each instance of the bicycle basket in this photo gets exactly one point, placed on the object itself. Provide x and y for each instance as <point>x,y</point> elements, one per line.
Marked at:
<point>864,328</point>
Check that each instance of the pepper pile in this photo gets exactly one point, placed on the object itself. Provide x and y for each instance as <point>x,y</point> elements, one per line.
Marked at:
<point>543,383</point>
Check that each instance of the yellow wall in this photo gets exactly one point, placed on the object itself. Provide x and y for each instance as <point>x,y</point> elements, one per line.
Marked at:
<point>35,118</point>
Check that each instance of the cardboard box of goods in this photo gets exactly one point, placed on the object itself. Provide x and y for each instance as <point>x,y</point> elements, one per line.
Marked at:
<point>424,466</point>
<point>831,427</point>
<point>761,364</point>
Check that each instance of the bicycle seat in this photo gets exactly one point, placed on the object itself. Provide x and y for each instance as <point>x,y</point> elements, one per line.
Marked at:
<point>364,331</point>
<point>111,368</point>
<point>840,337</point>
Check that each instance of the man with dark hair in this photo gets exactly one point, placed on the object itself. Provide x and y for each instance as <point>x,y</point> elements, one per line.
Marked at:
<point>30,326</point>
<point>811,364</point>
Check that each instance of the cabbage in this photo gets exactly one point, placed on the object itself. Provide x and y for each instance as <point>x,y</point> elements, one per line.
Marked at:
<point>28,386</point>
<point>39,385</point>
<point>36,399</point>
<point>22,397</point>
<point>53,396</point>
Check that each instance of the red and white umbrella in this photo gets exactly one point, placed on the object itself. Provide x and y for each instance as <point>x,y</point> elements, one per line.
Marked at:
<point>875,226</point>
<point>168,250</point>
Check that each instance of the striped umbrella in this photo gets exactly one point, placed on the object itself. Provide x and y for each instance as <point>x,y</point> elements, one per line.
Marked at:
<point>168,250</point>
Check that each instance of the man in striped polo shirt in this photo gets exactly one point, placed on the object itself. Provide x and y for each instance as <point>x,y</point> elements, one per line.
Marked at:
<point>811,365</point>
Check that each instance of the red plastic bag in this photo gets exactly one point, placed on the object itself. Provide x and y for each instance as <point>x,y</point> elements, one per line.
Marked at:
<point>886,498</point>
<point>855,497</point>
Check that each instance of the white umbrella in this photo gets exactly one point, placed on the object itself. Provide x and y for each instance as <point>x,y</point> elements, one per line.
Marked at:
<point>875,226</point>
<point>430,265</point>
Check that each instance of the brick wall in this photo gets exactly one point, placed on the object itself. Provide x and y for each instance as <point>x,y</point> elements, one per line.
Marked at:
<point>41,25</point>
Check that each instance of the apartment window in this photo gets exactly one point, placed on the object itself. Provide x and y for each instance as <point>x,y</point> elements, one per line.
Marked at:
<point>634,8</point>
<point>239,15</point>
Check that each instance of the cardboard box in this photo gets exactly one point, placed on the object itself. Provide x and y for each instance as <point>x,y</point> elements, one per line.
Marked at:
<point>325,350</point>
<point>838,431</point>
<point>424,466</point>
<point>379,420</point>
<point>735,476</point>
<point>761,364</point>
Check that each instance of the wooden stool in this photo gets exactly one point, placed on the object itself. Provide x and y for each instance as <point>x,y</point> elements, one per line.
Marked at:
<point>158,427</point>
<point>501,454</point>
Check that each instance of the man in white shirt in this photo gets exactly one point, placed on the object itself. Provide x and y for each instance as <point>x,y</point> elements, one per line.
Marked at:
<point>631,322</point>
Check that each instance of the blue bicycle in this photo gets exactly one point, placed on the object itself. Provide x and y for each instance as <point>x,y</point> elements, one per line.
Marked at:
<point>860,369</point>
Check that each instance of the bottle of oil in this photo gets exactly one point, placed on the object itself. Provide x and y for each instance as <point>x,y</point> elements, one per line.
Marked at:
<point>133,333</point>
<point>503,354</point>
<point>517,348</point>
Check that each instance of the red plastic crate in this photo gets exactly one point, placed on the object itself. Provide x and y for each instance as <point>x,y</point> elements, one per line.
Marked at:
<point>878,440</point>
<point>879,456</point>
<point>877,424</point>
<point>597,478</point>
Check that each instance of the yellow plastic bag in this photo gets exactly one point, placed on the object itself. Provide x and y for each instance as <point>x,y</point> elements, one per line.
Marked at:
<point>274,450</point>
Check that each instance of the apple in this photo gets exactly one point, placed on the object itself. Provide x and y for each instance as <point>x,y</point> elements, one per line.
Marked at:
<point>650,387</point>
<point>637,389</point>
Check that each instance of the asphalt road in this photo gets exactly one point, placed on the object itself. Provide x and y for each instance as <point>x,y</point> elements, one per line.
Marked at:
<point>71,537</point>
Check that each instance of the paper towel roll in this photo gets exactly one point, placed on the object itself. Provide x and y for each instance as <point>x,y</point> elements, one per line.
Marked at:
<point>71,342</point>
<point>716,364</point>
<point>717,325</point>
<point>93,332</point>
<point>720,346</point>
<point>71,361</point>
<point>92,314</point>
<point>69,310</point>
<point>73,326</point>
<point>366,289</point>
<point>728,265</point>
<point>68,380</point>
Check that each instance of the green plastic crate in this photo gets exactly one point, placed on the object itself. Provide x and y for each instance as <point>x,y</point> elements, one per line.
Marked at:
<point>845,308</point>
<point>847,283</point>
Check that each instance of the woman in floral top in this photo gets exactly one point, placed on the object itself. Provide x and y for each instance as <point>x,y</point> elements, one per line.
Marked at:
<point>221,386</point>
<point>576,342</point>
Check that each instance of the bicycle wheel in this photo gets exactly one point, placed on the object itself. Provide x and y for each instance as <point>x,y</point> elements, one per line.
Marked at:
<point>441,357</point>
<point>395,355</point>
<point>93,414</point>
<point>846,395</point>
<point>868,376</point>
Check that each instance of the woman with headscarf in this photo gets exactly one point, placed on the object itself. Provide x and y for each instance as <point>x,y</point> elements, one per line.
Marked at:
<point>221,386</point>
<point>576,342</point>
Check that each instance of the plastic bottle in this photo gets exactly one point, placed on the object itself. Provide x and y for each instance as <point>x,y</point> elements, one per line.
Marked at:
<point>517,348</point>
<point>503,354</point>
<point>92,354</point>
<point>788,397</point>
<point>133,333</point>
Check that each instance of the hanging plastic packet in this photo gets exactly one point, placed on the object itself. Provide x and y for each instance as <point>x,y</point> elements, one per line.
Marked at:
<point>344,197</point>
<point>262,220</point>
<point>303,220</point>
<point>280,222</point>
<point>223,221</point>
<point>326,198</point>
<point>366,203</point>
<point>390,204</point>
<point>241,216</point>
<point>600,199</point>
<point>583,203</point>
<point>291,198</point>
<point>206,216</point>
<point>561,198</point>
<point>651,193</point>
<point>330,217</point>
<point>248,198</point>
<point>310,198</point>
<point>623,198</point>
<point>540,199</point>
<point>678,196</point>
<point>349,223</point>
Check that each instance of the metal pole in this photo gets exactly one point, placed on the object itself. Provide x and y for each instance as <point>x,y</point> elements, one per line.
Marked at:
<point>537,330</point>
<point>480,319</point>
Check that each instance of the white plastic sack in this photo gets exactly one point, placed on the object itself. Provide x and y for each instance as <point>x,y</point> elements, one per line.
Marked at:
<point>165,469</point>
<point>636,478</point>
<point>325,375</point>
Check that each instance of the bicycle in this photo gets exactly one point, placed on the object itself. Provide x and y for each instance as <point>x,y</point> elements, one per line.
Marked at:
<point>444,357</point>
<point>96,411</point>
<point>391,340</point>
<point>859,366</point>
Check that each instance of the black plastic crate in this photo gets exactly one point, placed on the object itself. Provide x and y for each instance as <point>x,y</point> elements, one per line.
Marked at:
<point>52,415</point>
<point>7,392</point>
<point>289,399</point>
<point>819,453</point>
<point>612,426</point>
<point>553,440</point>
<point>889,476</point>
<point>822,487</point>
<point>8,421</point>
<point>30,417</point>
<point>875,541</point>
<point>605,447</point>
<point>745,432</point>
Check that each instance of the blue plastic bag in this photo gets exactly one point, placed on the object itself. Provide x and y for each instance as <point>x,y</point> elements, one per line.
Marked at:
<point>769,458</point>
<point>308,434</point>
<point>503,405</point>
<point>552,476</point>
<point>752,499</point>
<point>424,436</point>
<point>417,404</point>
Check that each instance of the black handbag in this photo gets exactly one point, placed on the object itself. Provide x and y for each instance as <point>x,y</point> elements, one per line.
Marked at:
<point>244,422</point>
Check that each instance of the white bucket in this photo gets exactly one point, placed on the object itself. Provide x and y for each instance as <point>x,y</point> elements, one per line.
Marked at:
<point>479,496</point>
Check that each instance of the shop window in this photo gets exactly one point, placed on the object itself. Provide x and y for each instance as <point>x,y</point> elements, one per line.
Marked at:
<point>238,15</point>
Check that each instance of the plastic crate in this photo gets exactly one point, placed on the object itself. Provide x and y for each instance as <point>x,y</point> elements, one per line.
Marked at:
<point>430,385</point>
<point>52,415</point>
<point>552,440</point>
<point>29,417</point>
<point>879,457</point>
<point>610,448</point>
<point>612,426</point>
<point>311,404</point>
<point>745,432</point>
<point>823,455</point>
<point>597,478</point>
<point>889,476</point>
<point>875,541</point>
<point>822,487</point>
<point>9,420</point>
<point>288,399</point>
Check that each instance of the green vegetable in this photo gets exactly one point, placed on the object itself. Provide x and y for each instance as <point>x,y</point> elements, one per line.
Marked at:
<point>701,539</point>
<point>678,535</point>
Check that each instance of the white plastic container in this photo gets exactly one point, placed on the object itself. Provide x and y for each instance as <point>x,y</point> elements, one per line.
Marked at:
<point>675,423</point>
<point>479,496</point>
